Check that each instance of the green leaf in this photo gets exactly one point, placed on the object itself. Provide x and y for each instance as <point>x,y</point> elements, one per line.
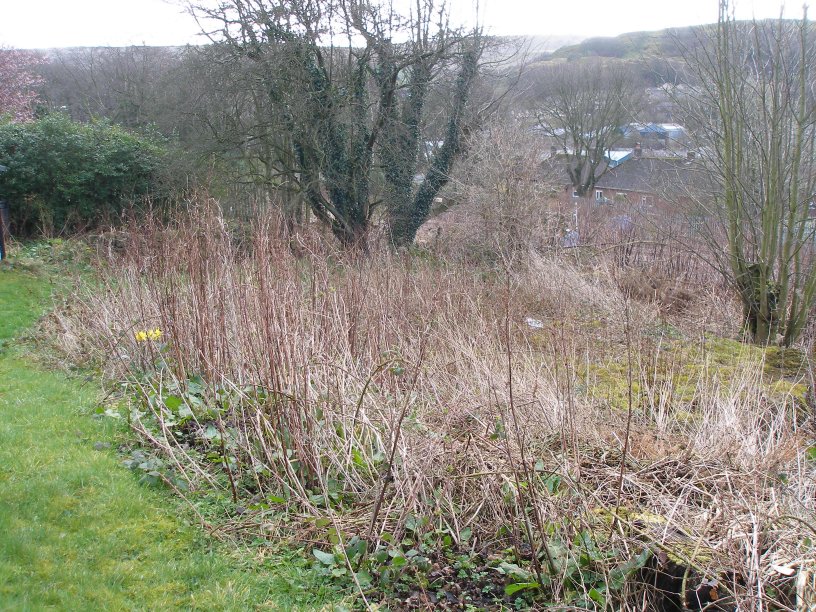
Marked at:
<point>598,597</point>
<point>172,402</point>
<point>357,458</point>
<point>552,483</point>
<point>512,589</point>
<point>514,571</point>
<point>356,547</point>
<point>810,453</point>
<point>195,385</point>
<point>324,557</point>
<point>381,556</point>
<point>364,578</point>
<point>619,575</point>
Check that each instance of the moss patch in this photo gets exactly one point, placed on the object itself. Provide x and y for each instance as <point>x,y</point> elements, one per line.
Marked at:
<point>671,373</point>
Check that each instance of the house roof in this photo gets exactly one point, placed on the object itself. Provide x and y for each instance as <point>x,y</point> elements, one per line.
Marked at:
<point>649,175</point>
<point>653,128</point>
<point>658,174</point>
<point>616,158</point>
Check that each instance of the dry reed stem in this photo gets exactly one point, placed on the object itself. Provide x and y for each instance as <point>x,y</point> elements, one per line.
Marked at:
<point>331,369</point>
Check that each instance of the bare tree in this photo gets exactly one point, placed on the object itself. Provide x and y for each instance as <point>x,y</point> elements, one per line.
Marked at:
<point>504,194</point>
<point>222,113</point>
<point>346,83</point>
<point>214,106</point>
<point>755,112</point>
<point>128,85</point>
<point>583,106</point>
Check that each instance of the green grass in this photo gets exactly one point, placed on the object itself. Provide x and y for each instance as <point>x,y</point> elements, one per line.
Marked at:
<point>22,299</point>
<point>79,532</point>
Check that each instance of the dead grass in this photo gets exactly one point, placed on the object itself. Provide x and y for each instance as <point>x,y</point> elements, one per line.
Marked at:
<point>370,390</point>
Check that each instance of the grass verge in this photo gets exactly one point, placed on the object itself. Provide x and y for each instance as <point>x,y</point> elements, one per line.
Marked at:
<point>79,532</point>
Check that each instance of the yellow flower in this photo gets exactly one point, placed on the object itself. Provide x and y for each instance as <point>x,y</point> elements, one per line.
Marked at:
<point>141,336</point>
<point>154,334</point>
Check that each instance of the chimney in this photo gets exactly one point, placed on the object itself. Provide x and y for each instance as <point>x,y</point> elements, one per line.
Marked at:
<point>690,155</point>
<point>638,152</point>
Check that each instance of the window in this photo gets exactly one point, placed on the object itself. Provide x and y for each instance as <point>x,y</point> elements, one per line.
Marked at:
<point>574,193</point>
<point>644,200</point>
<point>599,195</point>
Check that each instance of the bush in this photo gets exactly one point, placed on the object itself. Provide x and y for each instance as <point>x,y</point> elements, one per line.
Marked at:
<point>68,176</point>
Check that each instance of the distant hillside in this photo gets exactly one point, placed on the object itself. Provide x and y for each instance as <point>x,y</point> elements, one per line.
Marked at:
<point>664,44</point>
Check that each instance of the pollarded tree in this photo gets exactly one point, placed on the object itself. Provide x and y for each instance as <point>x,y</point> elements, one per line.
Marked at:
<point>346,83</point>
<point>583,106</point>
<point>754,109</point>
<point>18,84</point>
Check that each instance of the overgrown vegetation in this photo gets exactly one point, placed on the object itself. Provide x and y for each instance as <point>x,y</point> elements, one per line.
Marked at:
<point>539,403</point>
<point>449,435</point>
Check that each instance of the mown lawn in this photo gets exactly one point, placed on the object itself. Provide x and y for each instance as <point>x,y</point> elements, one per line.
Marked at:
<point>79,532</point>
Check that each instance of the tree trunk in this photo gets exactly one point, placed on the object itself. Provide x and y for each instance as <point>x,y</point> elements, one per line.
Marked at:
<point>760,307</point>
<point>409,215</point>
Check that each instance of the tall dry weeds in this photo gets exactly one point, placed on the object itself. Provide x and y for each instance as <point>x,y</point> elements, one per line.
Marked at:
<point>376,389</point>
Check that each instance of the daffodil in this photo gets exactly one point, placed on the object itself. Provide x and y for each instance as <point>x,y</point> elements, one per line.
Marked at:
<point>154,334</point>
<point>141,336</point>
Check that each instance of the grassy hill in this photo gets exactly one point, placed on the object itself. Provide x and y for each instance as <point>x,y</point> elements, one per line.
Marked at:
<point>633,45</point>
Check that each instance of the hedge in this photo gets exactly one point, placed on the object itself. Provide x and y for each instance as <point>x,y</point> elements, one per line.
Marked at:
<point>69,176</point>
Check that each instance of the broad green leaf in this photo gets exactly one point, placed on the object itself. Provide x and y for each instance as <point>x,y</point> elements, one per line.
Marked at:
<point>172,402</point>
<point>618,576</point>
<point>364,578</point>
<point>324,557</point>
<point>598,597</point>
<point>512,589</point>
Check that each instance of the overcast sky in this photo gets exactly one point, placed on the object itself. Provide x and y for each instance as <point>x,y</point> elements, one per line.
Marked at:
<point>65,23</point>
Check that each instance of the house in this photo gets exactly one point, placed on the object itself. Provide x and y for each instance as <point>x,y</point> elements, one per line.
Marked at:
<point>638,179</point>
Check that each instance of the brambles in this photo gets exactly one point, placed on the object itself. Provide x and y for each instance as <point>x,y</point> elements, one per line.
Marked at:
<point>285,382</point>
